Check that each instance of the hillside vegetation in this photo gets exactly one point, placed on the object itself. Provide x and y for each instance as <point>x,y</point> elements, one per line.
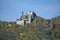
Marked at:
<point>39,29</point>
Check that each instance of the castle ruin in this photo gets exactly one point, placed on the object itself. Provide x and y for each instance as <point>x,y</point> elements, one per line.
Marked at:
<point>25,19</point>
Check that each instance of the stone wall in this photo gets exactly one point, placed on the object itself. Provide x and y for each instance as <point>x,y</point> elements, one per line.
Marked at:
<point>21,22</point>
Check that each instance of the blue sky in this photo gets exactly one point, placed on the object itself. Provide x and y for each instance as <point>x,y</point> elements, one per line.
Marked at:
<point>10,10</point>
